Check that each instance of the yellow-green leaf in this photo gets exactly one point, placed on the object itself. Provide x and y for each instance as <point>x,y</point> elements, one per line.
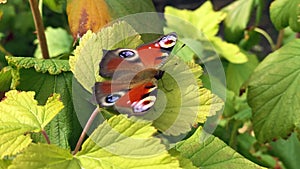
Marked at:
<point>229,51</point>
<point>45,156</point>
<point>21,114</point>
<point>187,25</point>
<point>209,105</point>
<point>125,143</point>
<point>203,18</point>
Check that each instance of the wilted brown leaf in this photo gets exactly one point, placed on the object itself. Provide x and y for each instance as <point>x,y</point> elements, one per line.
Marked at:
<point>86,15</point>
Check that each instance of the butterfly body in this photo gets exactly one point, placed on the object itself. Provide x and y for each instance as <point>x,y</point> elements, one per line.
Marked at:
<point>134,74</point>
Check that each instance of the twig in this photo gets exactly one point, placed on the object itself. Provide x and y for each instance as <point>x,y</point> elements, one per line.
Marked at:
<point>86,128</point>
<point>39,28</point>
<point>46,136</point>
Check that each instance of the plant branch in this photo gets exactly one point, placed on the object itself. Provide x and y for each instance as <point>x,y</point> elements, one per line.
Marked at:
<point>46,136</point>
<point>85,130</point>
<point>39,28</point>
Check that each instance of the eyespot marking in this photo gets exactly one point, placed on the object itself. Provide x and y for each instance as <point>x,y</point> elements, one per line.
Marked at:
<point>144,104</point>
<point>168,41</point>
<point>128,54</point>
<point>111,99</point>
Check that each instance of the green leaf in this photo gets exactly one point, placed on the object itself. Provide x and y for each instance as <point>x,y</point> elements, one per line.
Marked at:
<point>289,35</point>
<point>285,13</point>
<point>246,144</point>
<point>64,129</point>
<point>212,153</point>
<point>274,93</point>
<point>4,164</point>
<point>243,110</point>
<point>85,63</point>
<point>184,162</point>
<point>238,16</point>
<point>51,66</point>
<point>237,74</point>
<point>21,114</point>
<point>58,40</point>
<point>55,5</point>
<point>124,143</point>
<point>287,151</point>
<point>45,156</point>
<point>137,14</point>
<point>120,8</point>
<point>209,22</point>
<point>5,79</point>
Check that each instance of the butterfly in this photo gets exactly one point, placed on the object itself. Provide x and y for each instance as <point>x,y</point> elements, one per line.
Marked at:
<point>134,74</point>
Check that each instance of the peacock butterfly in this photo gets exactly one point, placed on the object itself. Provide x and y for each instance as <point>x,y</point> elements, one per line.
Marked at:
<point>134,74</point>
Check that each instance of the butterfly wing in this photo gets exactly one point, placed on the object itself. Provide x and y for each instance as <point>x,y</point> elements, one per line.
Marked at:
<point>151,55</point>
<point>154,54</point>
<point>119,60</point>
<point>134,74</point>
<point>106,94</point>
<point>135,101</point>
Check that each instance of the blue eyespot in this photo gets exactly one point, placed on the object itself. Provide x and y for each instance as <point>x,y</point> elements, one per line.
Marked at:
<point>126,54</point>
<point>112,98</point>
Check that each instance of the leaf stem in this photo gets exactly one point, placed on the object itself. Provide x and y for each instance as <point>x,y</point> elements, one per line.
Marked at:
<point>46,136</point>
<point>267,36</point>
<point>39,28</point>
<point>233,136</point>
<point>279,39</point>
<point>2,49</point>
<point>86,128</point>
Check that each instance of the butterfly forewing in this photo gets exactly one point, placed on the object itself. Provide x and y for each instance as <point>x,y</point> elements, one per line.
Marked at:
<point>115,61</point>
<point>156,53</point>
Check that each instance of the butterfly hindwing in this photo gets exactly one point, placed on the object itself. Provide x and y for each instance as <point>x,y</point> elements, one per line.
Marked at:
<point>135,101</point>
<point>107,94</point>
